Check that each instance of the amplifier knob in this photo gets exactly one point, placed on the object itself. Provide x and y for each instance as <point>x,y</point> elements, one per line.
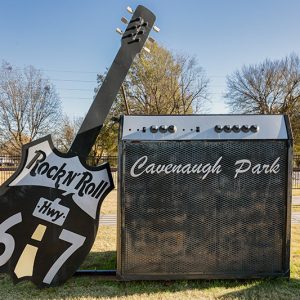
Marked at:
<point>218,128</point>
<point>245,128</point>
<point>227,128</point>
<point>236,128</point>
<point>163,128</point>
<point>172,128</point>
<point>154,128</point>
<point>254,128</point>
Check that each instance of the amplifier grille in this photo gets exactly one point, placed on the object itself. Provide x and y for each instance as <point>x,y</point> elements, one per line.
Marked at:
<point>183,224</point>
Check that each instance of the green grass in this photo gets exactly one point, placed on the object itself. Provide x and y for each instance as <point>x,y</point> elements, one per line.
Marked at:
<point>103,253</point>
<point>103,256</point>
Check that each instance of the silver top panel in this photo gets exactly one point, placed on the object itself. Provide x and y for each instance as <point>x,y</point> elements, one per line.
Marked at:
<point>203,127</point>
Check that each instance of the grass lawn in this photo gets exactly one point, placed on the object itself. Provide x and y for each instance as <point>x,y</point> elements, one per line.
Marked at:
<point>296,208</point>
<point>109,205</point>
<point>103,256</point>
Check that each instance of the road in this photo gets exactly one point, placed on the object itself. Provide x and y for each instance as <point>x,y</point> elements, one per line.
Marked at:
<point>110,220</point>
<point>296,200</point>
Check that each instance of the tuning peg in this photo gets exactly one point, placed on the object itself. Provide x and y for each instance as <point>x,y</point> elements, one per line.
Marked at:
<point>151,39</point>
<point>147,49</point>
<point>124,20</point>
<point>119,31</point>
<point>156,29</point>
<point>129,9</point>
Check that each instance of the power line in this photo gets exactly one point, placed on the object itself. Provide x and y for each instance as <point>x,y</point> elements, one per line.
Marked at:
<point>87,90</point>
<point>75,80</point>
<point>98,72</point>
<point>91,98</point>
<point>79,98</point>
<point>63,89</point>
<point>70,71</point>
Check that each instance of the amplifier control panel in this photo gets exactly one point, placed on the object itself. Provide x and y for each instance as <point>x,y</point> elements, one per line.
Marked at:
<point>204,127</point>
<point>237,128</point>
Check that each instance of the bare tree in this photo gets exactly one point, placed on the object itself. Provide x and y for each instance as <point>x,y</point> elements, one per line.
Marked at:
<point>29,107</point>
<point>272,87</point>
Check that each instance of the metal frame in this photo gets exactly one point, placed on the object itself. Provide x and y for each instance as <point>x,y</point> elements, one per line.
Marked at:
<point>286,250</point>
<point>119,200</point>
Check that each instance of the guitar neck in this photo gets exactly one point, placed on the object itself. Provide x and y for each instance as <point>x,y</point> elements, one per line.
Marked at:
<point>101,105</point>
<point>133,40</point>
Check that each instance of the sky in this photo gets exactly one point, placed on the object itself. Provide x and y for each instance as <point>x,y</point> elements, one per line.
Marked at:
<point>73,40</point>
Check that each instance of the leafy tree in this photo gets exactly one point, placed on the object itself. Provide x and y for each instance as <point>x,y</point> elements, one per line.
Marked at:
<point>271,87</point>
<point>159,82</point>
<point>29,107</point>
<point>163,83</point>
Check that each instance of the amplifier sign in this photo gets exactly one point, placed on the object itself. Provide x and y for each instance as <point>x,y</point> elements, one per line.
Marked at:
<point>241,166</point>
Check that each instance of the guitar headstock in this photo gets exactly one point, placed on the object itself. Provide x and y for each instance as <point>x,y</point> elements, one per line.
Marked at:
<point>138,29</point>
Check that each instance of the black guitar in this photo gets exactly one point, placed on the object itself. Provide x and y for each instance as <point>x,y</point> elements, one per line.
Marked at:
<point>49,209</point>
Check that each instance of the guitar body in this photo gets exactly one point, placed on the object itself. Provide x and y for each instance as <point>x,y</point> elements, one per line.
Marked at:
<point>52,193</point>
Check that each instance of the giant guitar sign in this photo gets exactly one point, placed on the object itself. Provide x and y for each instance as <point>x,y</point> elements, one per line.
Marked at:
<point>50,213</point>
<point>49,209</point>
